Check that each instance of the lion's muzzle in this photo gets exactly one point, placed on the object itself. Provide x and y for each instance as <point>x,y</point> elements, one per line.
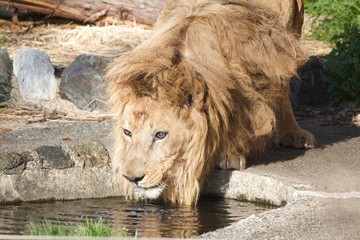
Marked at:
<point>146,188</point>
<point>148,185</point>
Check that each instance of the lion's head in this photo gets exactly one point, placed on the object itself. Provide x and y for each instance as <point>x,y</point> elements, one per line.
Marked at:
<point>156,141</point>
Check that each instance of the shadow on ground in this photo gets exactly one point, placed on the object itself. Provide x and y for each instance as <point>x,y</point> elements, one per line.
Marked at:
<point>325,136</point>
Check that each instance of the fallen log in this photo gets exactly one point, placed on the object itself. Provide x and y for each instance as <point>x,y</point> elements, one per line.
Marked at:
<point>92,11</point>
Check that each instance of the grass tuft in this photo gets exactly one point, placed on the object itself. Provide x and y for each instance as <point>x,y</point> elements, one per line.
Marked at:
<point>91,228</point>
<point>48,228</point>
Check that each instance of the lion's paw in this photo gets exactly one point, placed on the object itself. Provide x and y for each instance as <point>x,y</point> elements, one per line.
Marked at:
<point>299,138</point>
<point>237,162</point>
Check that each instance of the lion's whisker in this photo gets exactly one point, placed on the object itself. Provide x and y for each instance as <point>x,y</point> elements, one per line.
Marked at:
<point>162,184</point>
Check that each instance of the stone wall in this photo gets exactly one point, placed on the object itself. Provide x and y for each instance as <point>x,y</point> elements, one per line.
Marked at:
<point>57,172</point>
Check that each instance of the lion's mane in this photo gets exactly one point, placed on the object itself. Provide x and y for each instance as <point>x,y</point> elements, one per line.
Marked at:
<point>229,62</point>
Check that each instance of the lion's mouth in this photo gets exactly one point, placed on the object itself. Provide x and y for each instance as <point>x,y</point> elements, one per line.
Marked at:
<point>148,193</point>
<point>148,186</point>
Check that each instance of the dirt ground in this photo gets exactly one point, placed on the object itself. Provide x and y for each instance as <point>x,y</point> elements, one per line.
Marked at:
<point>63,42</point>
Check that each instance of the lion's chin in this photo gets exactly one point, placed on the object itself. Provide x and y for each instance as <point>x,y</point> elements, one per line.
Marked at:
<point>148,193</point>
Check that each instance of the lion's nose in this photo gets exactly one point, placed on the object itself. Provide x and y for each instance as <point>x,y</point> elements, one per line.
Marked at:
<point>133,179</point>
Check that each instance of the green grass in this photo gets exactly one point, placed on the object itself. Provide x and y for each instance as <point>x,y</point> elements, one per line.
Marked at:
<point>91,228</point>
<point>343,67</point>
<point>338,23</point>
<point>331,17</point>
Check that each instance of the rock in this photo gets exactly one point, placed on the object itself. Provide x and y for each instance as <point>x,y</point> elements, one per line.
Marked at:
<point>70,183</point>
<point>8,192</point>
<point>55,157</point>
<point>92,153</point>
<point>5,75</point>
<point>14,163</point>
<point>313,90</point>
<point>295,84</point>
<point>35,74</point>
<point>82,84</point>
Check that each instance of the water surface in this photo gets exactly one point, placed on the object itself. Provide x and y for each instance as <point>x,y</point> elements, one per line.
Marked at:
<point>147,219</point>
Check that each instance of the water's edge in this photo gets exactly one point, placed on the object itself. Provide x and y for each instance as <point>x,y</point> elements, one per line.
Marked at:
<point>141,219</point>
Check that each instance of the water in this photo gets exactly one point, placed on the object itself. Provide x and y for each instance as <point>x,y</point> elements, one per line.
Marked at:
<point>147,219</point>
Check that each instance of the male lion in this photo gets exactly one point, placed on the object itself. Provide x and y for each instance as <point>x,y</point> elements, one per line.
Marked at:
<point>208,88</point>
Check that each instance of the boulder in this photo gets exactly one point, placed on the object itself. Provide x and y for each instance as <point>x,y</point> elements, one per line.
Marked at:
<point>313,90</point>
<point>14,163</point>
<point>82,84</point>
<point>54,157</point>
<point>5,75</point>
<point>310,89</point>
<point>295,84</point>
<point>92,153</point>
<point>35,74</point>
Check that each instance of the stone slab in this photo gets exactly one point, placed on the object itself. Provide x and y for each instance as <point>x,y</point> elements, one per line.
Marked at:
<point>333,166</point>
<point>308,218</point>
<point>24,136</point>
<point>55,161</point>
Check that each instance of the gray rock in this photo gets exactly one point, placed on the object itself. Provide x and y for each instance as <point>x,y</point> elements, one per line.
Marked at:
<point>82,84</point>
<point>70,183</point>
<point>14,163</point>
<point>35,74</point>
<point>5,75</point>
<point>295,84</point>
<point>311,89</point>
<point>54,157</point>
<point>92,153</point>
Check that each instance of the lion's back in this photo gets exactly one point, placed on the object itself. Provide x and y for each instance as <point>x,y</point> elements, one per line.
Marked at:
<point>244,56</point>
<point>289,13</point>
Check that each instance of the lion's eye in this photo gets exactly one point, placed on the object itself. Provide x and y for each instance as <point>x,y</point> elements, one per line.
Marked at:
<point>160,135</point>
<point>127,132</point>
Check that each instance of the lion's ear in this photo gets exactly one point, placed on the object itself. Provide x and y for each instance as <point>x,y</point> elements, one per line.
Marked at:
<point>190,100</point>
<point>195,101</point>
<point>196,96</point>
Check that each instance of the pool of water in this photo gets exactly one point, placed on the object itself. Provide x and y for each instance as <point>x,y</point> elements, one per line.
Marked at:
<point>144,219</point>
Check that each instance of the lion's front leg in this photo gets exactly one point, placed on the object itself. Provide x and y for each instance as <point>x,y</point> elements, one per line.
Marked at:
<point>289,132</point>
<point>234,161</point>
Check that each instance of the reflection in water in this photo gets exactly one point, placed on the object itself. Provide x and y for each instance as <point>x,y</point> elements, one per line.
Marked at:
<point>147,219</point>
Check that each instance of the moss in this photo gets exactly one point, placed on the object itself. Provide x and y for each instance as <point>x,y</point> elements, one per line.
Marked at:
<point>242,197</point>
<point>259,201</point>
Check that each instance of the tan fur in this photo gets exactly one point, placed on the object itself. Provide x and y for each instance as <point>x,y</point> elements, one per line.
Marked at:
<point>290,13</point>
<point>214,75</point>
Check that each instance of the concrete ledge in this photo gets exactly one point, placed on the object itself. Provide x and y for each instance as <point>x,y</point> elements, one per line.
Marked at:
<point>245,186</point>
<point>71,172</point>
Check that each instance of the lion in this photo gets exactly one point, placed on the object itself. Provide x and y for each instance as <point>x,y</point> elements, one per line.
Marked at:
<point>209,88</point>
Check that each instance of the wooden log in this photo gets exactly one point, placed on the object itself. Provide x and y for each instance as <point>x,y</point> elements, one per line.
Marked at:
<point>92,11</point>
